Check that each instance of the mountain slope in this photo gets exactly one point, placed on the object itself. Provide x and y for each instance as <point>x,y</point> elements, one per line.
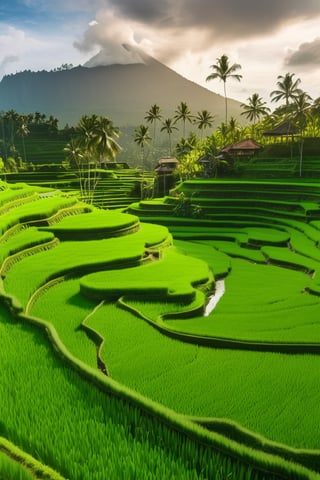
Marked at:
<point>122,92</point>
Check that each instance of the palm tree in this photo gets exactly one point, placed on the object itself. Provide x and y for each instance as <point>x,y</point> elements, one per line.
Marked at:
<point>141,138</point>
<point>204,120</point>
<point>233,129</point>
<point>22,132</point>
<point>152,116</point>
<point>86,131</point>
<point>223,70</point>
<point>168,126</point>
<point>301,113</point>
<point>221,133</point>
<point>75,156</point>
<point>288,88</point>
<point>183,113</point>
<point>37,117</point>
<point>105,135</point>
<point>254,109</point>
<point>315,118</point>
<point>53,124</point>
<point>11,117</point>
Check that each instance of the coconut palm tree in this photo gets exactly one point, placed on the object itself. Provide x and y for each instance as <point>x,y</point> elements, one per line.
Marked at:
<point>142,138</point>
<point>74,155</point>
<point>234,129</point>
<point>53,124</point>
<point>86,132</point>
<point>222,70</point>
<point>183,113</point>
<point>153,115</point>
<point>11,118</point>
<point>254,109</point>
<point>203,120</point>
<point>288,88</point>
<point>301,113</point>
<point>105,142</point>
<point>168,126</point>
<point>23,131</point>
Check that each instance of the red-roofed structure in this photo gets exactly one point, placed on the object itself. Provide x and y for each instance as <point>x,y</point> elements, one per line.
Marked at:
<point>245,147</point>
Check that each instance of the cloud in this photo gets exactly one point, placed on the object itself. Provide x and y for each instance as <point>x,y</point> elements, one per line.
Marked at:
<point>7,61</point>
<point>167,29</point>
<point>222,17</point>
<point>308,54</point>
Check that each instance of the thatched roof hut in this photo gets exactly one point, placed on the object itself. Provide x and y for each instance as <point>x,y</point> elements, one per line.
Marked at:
<point>284,129</point>
<point>245,147</point>
<point>166,165</point>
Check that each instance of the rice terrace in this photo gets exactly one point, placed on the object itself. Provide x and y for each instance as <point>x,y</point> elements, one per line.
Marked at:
<point>160,319</point>
<point>114,366</point>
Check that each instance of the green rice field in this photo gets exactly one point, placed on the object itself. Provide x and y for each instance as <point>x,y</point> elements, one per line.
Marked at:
<point>147,345</point>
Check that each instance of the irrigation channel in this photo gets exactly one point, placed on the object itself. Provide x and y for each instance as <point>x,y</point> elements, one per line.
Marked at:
<point>215,297</point>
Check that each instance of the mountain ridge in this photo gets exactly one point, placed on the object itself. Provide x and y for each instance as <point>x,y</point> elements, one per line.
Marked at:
<point>122,92</point>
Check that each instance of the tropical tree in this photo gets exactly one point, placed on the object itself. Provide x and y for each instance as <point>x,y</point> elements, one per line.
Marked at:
<point>203,120</point>
<point>288,88</point>
<point>314,120</point>
<point>233,129</point>
<point>23,131</point>
<point>96,139</point>
<point>185,145</point>
<point>104,142</point>
<point>37,117</point>
<point>53,124</point>
<point>222,70</point>
<point>11,118</point>
<point>74,155</point>
<point>153,115</point>
<point>301,114</point>
<point>142,138</point>
<point>254,109</point>
<point>169,127</point>
<point>221,134</point>
<point>183,113</point>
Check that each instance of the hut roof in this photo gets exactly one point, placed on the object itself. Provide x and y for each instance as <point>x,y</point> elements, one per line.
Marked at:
<point>245,146</point>
<point>284,129</point>
<point>166,165</point>
<point>168,160</point>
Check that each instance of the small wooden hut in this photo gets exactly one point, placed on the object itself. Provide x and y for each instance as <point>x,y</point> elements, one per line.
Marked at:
<point>243,148</point>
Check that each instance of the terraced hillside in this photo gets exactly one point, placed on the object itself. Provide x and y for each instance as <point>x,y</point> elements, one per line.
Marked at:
<point>115,187</point>
<point>127,354</point>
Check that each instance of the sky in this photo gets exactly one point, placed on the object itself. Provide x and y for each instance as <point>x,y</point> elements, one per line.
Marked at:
<point>267,38</point>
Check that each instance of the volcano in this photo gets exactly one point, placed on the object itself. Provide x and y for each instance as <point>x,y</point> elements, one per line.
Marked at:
<point>123,92</point>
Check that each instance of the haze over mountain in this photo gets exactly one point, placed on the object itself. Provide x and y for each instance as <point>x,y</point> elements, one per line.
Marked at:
<point>123,92</point>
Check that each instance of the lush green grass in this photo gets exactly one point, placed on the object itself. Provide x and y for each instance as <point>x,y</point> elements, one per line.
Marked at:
<point>263,303</point>
<point>84,433</point>
<point>160,279</point>
<point>66,313</point>
<point>12,470</point>
<point>33,211</point>
<point>71,257</point>
<point>264,392</point>
<point>93,225</point>
<point>25,238</point>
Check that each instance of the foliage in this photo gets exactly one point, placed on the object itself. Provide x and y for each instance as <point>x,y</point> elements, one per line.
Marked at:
<point>222,70</point>
<point>186,208</point>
